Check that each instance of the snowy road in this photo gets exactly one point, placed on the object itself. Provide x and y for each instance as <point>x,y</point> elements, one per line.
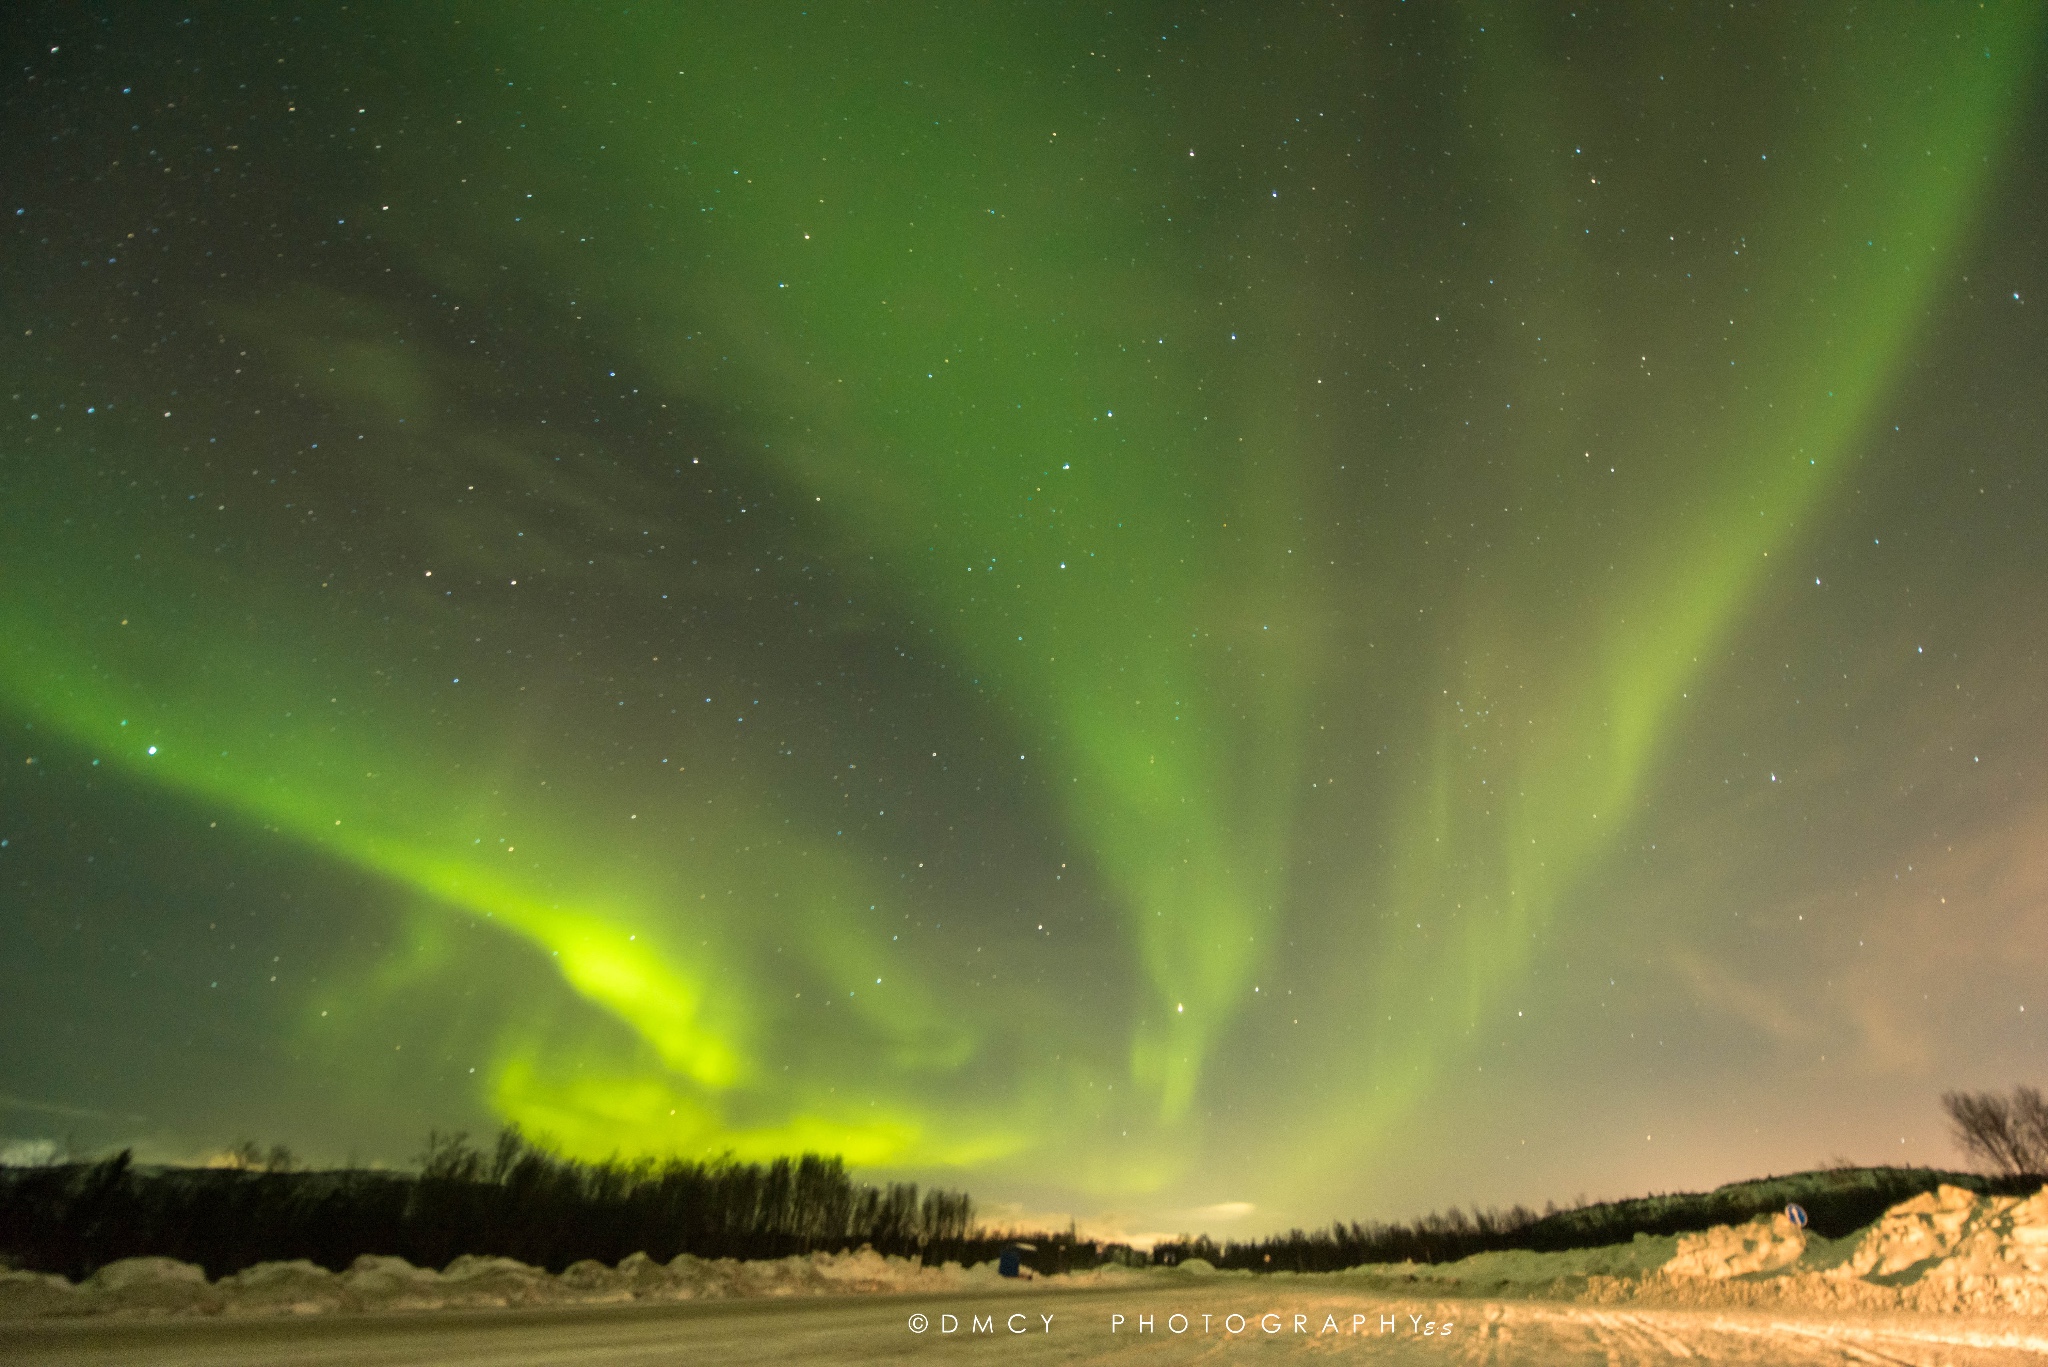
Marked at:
<point>1257,1322</point>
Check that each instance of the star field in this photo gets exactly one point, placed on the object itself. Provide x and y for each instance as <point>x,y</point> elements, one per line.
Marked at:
<point>1332,608</point>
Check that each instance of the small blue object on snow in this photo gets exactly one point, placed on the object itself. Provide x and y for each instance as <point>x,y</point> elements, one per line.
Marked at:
<point>1796,1213</point>
<point>1010,1263</point>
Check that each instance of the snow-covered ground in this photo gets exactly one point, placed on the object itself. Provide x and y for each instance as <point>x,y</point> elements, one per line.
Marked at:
<point>1209,1320</point>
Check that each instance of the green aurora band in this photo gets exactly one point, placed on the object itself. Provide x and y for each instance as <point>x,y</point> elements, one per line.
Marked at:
<point>1301,544</point>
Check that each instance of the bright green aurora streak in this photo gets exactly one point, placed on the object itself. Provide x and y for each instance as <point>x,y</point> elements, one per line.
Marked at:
<point>1238,498</point>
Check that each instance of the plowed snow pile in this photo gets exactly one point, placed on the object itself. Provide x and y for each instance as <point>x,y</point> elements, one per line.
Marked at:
<point>1948,1249</point>
<point>165,1286</point>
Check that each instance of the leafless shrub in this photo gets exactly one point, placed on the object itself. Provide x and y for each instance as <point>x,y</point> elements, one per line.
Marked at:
<point>249,1156</point>
<point>2007,1135</point>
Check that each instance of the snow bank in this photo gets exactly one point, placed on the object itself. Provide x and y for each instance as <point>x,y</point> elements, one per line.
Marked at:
<point>1956,1249</point>
<point>163,1286</point>
<point>1738,1250</point>
<point>1946,1250</point>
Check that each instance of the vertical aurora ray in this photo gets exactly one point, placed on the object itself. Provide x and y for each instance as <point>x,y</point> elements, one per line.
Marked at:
<point>1033,531</point>
<point>954,443</point>
<point>1538,759</point>
<point>1048,473</point>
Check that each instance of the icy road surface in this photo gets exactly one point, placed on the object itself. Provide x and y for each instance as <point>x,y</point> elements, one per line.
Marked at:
<point>1278,1324</point>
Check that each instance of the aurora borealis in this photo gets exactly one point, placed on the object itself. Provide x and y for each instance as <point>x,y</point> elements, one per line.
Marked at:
<point>1176,614</point>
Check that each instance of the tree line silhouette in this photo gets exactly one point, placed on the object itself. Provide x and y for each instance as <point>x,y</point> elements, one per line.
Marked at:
<point>520,1200</point>
<point>517,1200</point>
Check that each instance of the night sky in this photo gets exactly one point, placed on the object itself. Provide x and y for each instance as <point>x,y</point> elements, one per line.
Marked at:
<point>1204,618</point>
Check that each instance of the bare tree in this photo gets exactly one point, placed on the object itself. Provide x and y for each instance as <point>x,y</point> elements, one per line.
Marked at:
<point>2007,1135</point>
<point>2030,1118</point>
<point>248,1156</point>
<point>451,1158</point>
